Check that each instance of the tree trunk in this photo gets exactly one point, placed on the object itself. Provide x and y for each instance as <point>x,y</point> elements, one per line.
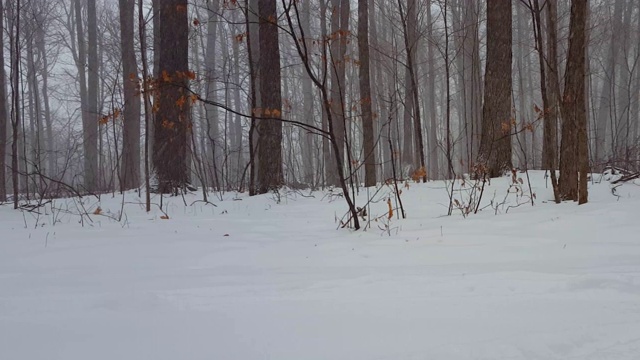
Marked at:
<point>470,80</point>
<point>253,44</point>
<point>434,171</point>
<point>365,94</point>
<point>3,114</point>
<point>548,111</point>
<point>522,95</point>
<point>574,161</point>
<point>90,128</point>
<point>15,126</point>
<point>211,111</point>
<point>550,144</point>
<point>327,159</point>
<point>81,63</point>
<point>269,131</point>
<point>623,119</point>
<point>306,140</point>
<point>635,104</point>
<point>339,33</point>
<point>408,19</point>
<point>172,123</point>
<point>495,146</point>
<point>236,127</point>
<point>130,172</point>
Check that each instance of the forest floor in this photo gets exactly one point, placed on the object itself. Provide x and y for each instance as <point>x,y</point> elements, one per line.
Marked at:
<point>254,278</point>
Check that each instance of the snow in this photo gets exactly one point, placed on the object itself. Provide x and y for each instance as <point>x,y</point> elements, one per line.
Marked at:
<point>256,279</point>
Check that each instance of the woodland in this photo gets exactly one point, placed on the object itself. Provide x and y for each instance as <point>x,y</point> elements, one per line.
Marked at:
<point>251,96</point>
<point>319,179</point>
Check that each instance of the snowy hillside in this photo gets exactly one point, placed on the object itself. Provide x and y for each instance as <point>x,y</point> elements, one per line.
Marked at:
<point>252,278</point>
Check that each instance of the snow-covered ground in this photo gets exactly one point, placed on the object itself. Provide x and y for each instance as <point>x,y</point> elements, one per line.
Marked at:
<point>256,279</point>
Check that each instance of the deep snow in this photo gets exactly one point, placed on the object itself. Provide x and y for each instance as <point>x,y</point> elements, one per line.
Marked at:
<point>254,279</point>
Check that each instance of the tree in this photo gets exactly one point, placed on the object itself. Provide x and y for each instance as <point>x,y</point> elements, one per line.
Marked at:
<point>172,122</point>
<point>434,169</point>
<point>211,112</point>
<point>549,150</point>
<point>15,120</point>
<point>89,127</point>
<point>338,49</point>
<point>365,94</point>
<point>92,113</point>
<point>574,160</point>
<point>3,112</point>
<point>495,142</point>
<point>269,132</point>
<point>130,173</point>
<point>412,104</point>
<point>466,31</point>
<point>549,102</point>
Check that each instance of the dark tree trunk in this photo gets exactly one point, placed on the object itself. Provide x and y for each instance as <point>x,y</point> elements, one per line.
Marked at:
<point>172,122</point>
<point>574,160</point>
<point>549,150</point>
<point>130,172</point>
<point>340,36</point>
<point>15,123</point>
<point>269,131</point>
<point>91,125</point>
<point>549,111</point>
<point>365,94</point>
<point>434,168</point>
<point>495,144</point>
<point>3,113</point>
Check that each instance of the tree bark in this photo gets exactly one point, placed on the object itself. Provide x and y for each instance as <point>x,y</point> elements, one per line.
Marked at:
<point>130,171</point>
<point>270,175</point>
<point>550,144</point>
<point>495,146</point>
<point>434,169</point>
<point>574,161</point>
<point>15,123</point>
<point>307,140</point>
<point>339,35</point>
<point>548,111</point>
<point>211,111</point>
<point>3,113</point>
<point>365,94</point>
<point>91,126</point>
<point>172,123</point>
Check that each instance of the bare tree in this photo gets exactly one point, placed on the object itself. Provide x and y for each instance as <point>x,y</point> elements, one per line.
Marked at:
<point>339,35</point>
<point>434,172</point>
<point>574,160</point>
<point>548,112</point>
<point>365,94</point>
<point>3,112</point>
<point>172,122</point>
<point>412,104</point>
<point>15,120</point>
<point>495,145</point>
<point>91,126</point>
<point>269,132</point>
<point>131,115</point>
